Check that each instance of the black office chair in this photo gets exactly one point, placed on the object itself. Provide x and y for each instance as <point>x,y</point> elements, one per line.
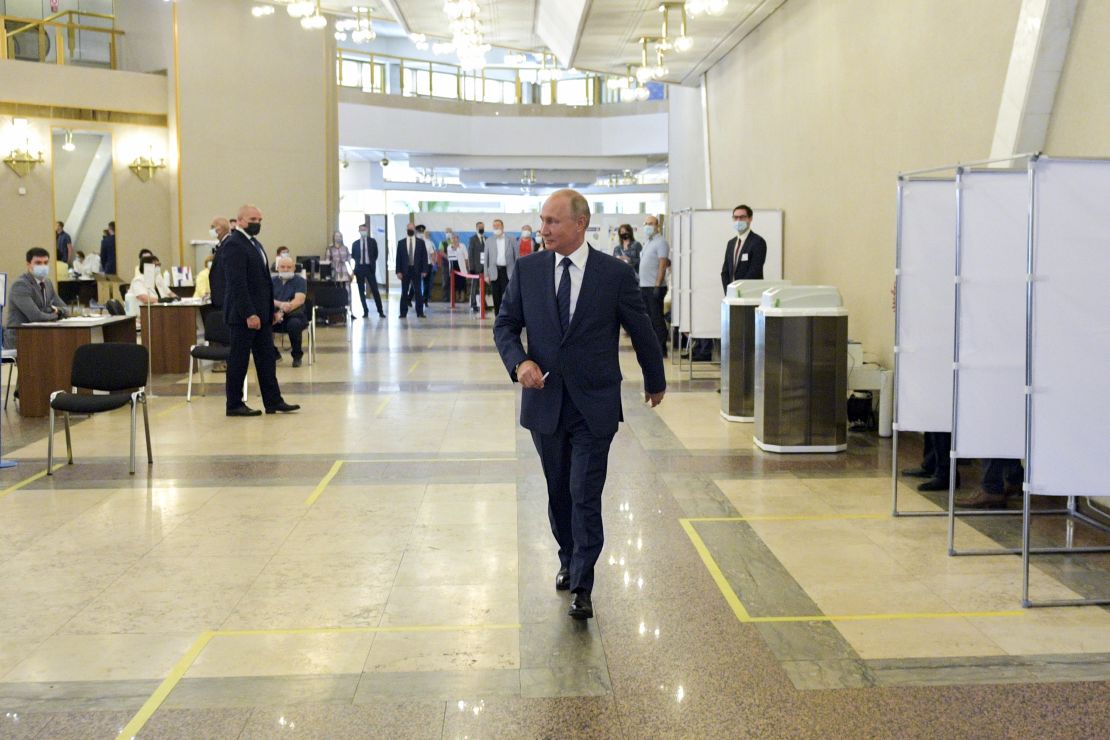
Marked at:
<point>115,308</point>
<point>119,369</point>
<point>216,348</point>
<point>332,300</point>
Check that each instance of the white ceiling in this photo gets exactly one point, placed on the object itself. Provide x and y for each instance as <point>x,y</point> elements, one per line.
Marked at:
<point>610,34</point>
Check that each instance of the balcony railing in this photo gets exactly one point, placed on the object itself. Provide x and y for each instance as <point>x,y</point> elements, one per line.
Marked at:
<point>394,75</point>
<point>70,37</point>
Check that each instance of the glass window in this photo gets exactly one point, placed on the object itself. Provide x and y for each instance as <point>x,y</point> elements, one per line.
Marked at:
<point>445,85</point>
<point>573,92</point>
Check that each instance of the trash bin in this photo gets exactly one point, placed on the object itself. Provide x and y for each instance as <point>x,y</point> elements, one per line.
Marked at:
<point>738,347</point>
<point>801,370</point>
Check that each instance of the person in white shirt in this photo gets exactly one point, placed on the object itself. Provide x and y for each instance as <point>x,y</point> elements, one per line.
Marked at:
<point>457,259</point>
<point>501,254</point>
<point>141,292</point>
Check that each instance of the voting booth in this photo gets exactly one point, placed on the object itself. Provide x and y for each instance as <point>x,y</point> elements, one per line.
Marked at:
<point>801,370</point>
<point>738,347</point>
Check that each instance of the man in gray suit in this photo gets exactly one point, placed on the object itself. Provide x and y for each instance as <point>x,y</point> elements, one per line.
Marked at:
<point>32,297</point>
<point>501,253</point>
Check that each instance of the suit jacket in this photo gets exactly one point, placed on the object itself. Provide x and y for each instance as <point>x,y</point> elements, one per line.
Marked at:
<point>372,250</point>
<point>25,305</point>
<point>420,252</point>
<point>108,254</point>
<point>745,269</point>
<point>216,280</point>
<point>246,270</point>
<point>585,362</point>
<point>475,248</point>
<point>512,248</point>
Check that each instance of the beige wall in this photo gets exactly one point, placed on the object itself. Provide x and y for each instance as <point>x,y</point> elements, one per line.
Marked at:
<point>818,110</point>
<point>1080,125</point>
<point>255,122</point>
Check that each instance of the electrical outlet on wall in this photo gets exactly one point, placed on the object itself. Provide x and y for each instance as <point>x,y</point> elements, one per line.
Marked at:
<point>22,190</point>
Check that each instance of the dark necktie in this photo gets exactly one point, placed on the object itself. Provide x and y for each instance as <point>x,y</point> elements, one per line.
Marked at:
<point>563,296</point>
<point>365,256</point>
<point>42,289</point>
<point>736,256</point>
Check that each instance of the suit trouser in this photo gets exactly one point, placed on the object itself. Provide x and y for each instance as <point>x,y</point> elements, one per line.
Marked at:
<point>293,325</point>
<point>426,286</point>
<point>499,285</point>
<point>653,301</point>
<point>410,291</point>
<point>938,452</point>
<point>364,274</point>
<point>244,343</point>
<point>999,471</point>
<point>575,463</point>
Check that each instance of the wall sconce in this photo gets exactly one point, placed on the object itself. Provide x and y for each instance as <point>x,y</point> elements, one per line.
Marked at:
<point>22,161</point>
<point>144,167</point>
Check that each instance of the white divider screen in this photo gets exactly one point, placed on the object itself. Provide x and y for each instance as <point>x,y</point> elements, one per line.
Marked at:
<point>676,227</point>
<point>994,238</point>
<point>926,305</point>
<point>707,240</point>
<point>684,261</point>
<point>1071,328</point>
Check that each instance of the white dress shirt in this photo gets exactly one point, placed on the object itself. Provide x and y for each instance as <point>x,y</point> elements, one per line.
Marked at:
<point>577,270</point>
<point>502,258</point>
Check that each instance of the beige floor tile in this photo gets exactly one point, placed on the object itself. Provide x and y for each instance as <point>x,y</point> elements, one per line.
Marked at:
<point>445,651</point>
<point>283,655</point>
<point>293,607</point>
<point>474,567</point>
<point>919,638</point>
<point>313,571</point>
<point>449,604</point>
<point>464,511</point>
<point>127,609</point>
<point>1065,630</point>
<point>101,658</point>
<point>14,648</point>
<point>974,592</point>
<point>875,594</point>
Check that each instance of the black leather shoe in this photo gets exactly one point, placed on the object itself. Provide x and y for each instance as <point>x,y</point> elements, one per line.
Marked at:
<point>243,411</point>
<point>284,408</point>
<point>381,316</point>
<point>917,473</point>
<point>297,360</point>
<point>582,607</point>
<point>935,484</point>
<point>562,579</point>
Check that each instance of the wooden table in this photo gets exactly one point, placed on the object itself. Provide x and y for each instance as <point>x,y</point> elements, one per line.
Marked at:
<point>46,354</point>
<point>172,329</point>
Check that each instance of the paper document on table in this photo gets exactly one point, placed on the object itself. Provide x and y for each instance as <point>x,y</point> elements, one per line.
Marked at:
<point>82,320</point>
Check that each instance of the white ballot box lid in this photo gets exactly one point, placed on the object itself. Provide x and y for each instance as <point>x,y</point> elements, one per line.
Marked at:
<point>749,292</point>
<point>802,300</point>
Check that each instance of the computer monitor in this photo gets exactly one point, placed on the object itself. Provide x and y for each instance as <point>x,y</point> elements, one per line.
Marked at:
<point>311,263</point>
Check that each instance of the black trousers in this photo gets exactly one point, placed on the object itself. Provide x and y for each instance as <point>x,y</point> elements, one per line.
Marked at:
<point>575,463</point>
<point>653,301</point>
<point>364,275</point>
<point>426,286</point>
<point>499,285</point>
<point>938,454</point>
<point>244,343</point>
<point>410,291</point>
<point>999,471</point>
<point>294,325</point>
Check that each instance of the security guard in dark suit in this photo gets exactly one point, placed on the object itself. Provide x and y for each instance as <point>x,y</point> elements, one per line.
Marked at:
<point>746,252</point>
<point>364,251</point>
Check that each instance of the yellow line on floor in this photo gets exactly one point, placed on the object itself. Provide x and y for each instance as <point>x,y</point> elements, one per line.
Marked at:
<point>381,406</point>
<point>436,460</point>
<point>431,344</point>
<point>742,613</point>
<point>414,366</point>
<point>30,479</point>
<point>787,518</point>
<point>173,408</point>
<point>316,492</point>
<point>151,705</point>
<point>131,729</point>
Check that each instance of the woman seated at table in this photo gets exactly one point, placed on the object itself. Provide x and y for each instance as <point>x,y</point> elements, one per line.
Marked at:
<point>140,292</point>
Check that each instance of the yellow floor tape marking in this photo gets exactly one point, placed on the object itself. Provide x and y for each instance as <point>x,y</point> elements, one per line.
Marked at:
<point>151,705</point>
<point>786,518</point>
<point>414,366</point>
<point>171,409</point>
<point>316,492</point>
<point>16,486</point>
<point>381,406</point>
<point>742,613</point>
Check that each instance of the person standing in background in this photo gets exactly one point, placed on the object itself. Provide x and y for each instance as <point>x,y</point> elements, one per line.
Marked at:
<point>338,254</point>
<point>476,250</point>
<point>64,243</point>
<point>220,230</point>
<point>746,252</point>
<point>628,249</point>
<point>457,261</point>
<point>526,240</point>
<point>365,253</point>
<point>412,266</point>
<point>433,264</point>
<point>654,261</point>
<point>501,255</point>
<point>108,250</point>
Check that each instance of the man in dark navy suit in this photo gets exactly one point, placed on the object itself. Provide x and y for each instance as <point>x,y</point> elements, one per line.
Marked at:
<point>746,252</point>
<point>249,312</point>
<point>573,300</point>
<point>412,266</point>
<point>364,251</point>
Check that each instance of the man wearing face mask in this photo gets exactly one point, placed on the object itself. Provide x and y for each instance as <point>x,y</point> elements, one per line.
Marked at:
<point>32,296</point>
<point>476,253</point>
<point>501,255</point>
<point>250,315</point>
<point>364,251</point>
<point>654,261</point>
<point>290,290</point>
<point>412,266</point>
<point>220,230</point>
<point>746,252</point>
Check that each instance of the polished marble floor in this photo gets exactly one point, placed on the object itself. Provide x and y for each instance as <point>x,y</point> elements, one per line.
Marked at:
<point>380,565</point>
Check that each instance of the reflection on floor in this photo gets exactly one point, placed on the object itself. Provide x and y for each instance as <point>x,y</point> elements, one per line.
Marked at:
<point>380,565</point>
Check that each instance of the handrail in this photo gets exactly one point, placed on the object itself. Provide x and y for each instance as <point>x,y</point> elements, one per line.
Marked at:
<point>31,25</point>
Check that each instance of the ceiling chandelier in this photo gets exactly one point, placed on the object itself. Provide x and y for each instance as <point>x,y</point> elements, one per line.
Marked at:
<point>683,42</point>
<point>709,7</point>
<point>466,35</point>
<point>360,28</point>
<point>629,86</point>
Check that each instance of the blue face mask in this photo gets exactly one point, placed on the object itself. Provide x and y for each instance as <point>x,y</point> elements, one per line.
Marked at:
<point>649,231</point>
<point>741,226</point>
<point>41,272</point>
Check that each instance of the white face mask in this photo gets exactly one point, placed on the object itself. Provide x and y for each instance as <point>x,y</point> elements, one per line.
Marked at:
<point>213,234</point>
<point>498,232</point>
<point>285,276</point>
<point>526,235</point>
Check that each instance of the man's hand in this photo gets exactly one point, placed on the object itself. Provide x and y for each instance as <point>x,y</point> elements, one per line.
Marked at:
<point>654,398</point>
<point>278,317</point>
<point>253,322</point>
<point>659,289</point>
<point>530,375</point>
<point>399,276</point>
